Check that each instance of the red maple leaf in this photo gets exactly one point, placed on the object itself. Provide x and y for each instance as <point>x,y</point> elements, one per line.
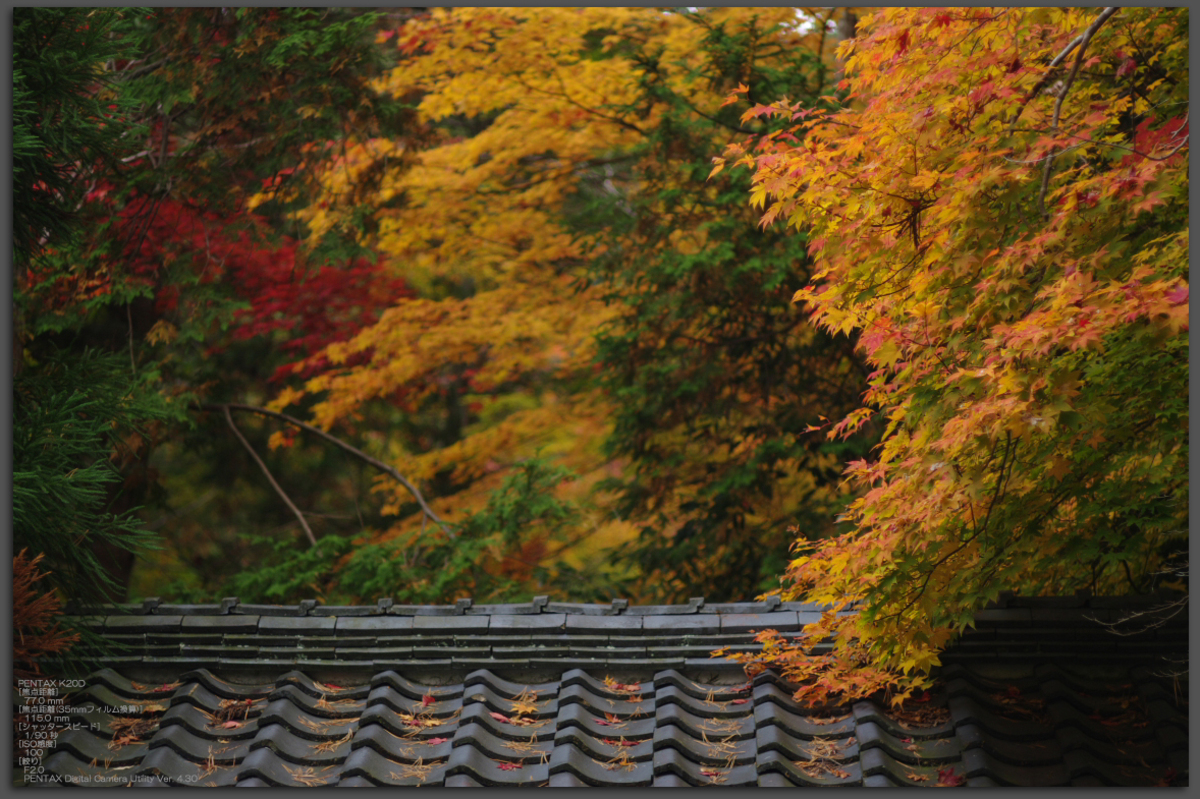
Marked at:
<point>427,700</point>
<point>436,741</point>
<point>500,717</point>
<point>506,766</point>
<point>947,778</point>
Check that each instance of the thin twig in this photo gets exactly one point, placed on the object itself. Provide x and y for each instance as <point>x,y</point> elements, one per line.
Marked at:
<point>147,69</point>
<point>307,531</point>
<point>383,467</point>
<point>135,156</point>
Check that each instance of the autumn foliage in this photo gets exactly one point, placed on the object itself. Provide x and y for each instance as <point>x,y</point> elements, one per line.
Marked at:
<point>491,248</point>
<point>1000,216</point>
<point>586,295</point>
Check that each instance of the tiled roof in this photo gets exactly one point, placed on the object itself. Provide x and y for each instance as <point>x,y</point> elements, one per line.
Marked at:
<point>562,695</point>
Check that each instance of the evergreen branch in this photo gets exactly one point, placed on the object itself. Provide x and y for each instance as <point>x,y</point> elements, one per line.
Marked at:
<point>283,495</point>
<point>380,465</point>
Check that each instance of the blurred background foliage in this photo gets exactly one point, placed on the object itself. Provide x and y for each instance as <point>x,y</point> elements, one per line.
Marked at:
<point>478,245</point>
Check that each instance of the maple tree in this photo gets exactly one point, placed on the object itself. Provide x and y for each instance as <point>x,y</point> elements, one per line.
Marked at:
<point>1000,215</point>
<point>566,197</point>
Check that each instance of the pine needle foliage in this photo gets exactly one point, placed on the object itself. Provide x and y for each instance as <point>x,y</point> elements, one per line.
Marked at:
<point>61,122</point>
<point>69,415</point>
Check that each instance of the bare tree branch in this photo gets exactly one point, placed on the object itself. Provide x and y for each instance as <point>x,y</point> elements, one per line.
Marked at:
<point>1084,39</point>
<point>380,465</point>
<point>307,530</point>
<point>1058,59</point>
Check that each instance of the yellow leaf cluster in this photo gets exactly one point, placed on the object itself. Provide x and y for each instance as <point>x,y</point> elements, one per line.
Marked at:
<point>524,113</point>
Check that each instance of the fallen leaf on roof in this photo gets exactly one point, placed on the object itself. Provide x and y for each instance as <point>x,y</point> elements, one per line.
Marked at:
<point>949,779</point>
<point>427,700</point>
<point>232,725</point>
<point>524,703</point>
<point>500,717</point>
<point>521,721</point>
<point>738,701</point>
<point>620,687</point>
<point>619,760</point>
<point>917,777</point>
<point>620,742</point>
<point>507,766</point>
<point>435,741</point>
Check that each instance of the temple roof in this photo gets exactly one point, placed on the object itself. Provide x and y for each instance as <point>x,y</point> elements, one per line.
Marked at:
<point>1042,692</point>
